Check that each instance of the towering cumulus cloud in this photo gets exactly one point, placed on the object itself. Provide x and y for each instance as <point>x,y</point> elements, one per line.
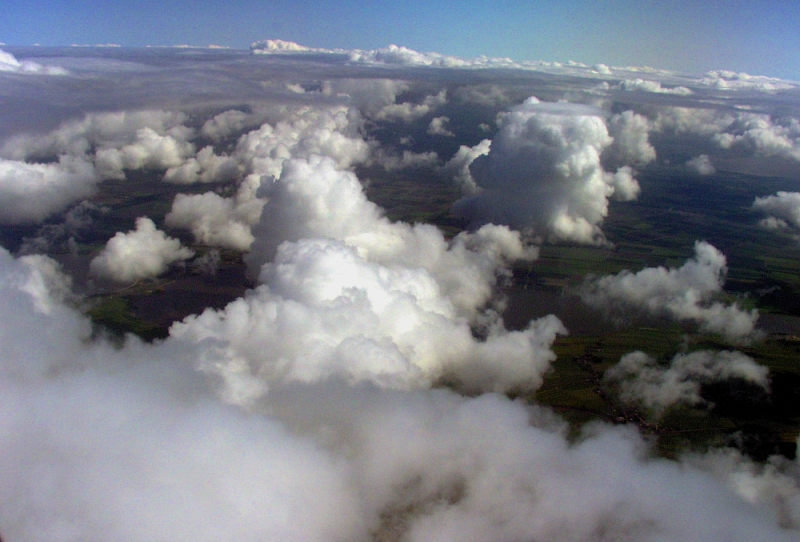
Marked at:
<point>544,172</point>
<point>365,299</point>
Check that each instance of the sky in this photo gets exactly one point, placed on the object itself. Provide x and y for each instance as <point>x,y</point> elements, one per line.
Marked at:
<point>758,36</point>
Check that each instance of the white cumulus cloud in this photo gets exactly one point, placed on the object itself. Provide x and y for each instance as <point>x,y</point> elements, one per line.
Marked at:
<point>31,192</point>
<point>641,379</point>
<point>684,293</point>
<point>438,126</point>
<point>543,171</point>
<point>701,164</point>
<point>782,207</point>
<point>141,253</point>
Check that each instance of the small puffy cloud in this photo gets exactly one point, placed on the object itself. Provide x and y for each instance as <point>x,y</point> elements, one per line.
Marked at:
<point>408,111</point>
<point>369,95</point>
<point>438,126</point>
<point>689,120</point>
<point>215,220</point>
<point>149,149</point>
<point>683,293</point>
<point>331,132</point>
<point>631,145</point>
<point>641,379</point>
<point>485,95</point>
<point>701,165</point>
<point>31,192</point>
<point>204,167</point>
<point>626,187</point>
<point>141,253</point>
<point>225,124</point>
<point>602,69</point>
<point>544,172</point>
<point>783,209</point>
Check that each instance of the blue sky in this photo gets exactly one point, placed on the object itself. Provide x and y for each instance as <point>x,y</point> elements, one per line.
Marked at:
<point>756,36</point>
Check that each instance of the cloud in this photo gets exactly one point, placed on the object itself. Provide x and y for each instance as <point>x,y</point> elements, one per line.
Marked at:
<point>543,171</point>
<point>408,111</point>
<point>366,299</point>
<point>369,95</point>
<point>641,379</point>
<point>10,64</point>
<point>631,145</point>
<point>124,432</point>
<point>487,95</point>
<point>701,165</point>
<point>360,321</point>
<point>149,149</point>
<point>729,80</point>
<point>763,135</point>
<point>314,199</point>
<point>32,192</point>
<point>139,131</point>
<point>227,124</point>
<point>204,167</point>
<point>324,396</point>
<point>774,483</point>
<point>754,133</point>
<point>141,253</point>
<point>331,132</point>
<point>783,208</point>
<point>330,461</point>
<point>647,85</point>
<point>438,126</point>
<point>264,47</point>
<point>394,54</point>
<point>394,161</point>
<point>215,220</point>
<point>62,236</point>
<point>258,158</point>
<point>458,166</point>
<point>684,293</point>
